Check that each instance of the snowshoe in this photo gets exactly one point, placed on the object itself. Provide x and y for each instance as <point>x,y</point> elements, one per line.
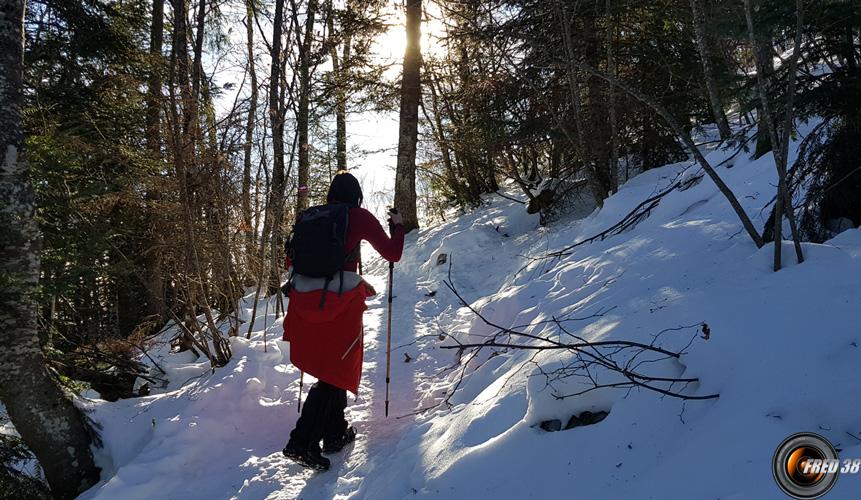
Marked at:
<point>306,458</point>
<point>348,437</point>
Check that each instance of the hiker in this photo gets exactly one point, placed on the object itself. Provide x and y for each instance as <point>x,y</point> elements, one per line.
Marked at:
<point>324,315</point>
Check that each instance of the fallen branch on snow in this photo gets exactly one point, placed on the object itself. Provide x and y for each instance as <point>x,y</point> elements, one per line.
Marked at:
<point>624,358</point>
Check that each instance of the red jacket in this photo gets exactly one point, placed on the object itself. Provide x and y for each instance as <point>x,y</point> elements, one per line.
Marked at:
<point>364,226</point>
<point>328,343</point>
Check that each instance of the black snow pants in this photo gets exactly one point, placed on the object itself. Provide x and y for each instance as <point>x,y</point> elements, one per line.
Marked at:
<point>322,417</point>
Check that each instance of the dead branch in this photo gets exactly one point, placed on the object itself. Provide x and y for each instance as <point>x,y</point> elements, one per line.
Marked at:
<point>624,358</point>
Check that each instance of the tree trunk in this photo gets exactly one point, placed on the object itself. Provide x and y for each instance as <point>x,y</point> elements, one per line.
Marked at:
<point>511,166</point>
<point>50,425</point>
<point>154,268</point>
<point>156,299</point>
<point>276,116</point>
<point>197,68</point>
<point>185,143</point>
<point>210,127</point>
<point>787,131</point>
<point>599,190</point>
<point>153,116</point>
<point>779,143</point>
<point>180,55</point>
<point>339,70</point>
<point>437,126</point>
<point>464,128</point>
<point>302,118</point>
<point>405,174</point>
<point>708,74</point>
<point>763,50</point>
<point>595,113</point>
<point>611,101</point>
<point>249,139</point>
<point>341,107</point>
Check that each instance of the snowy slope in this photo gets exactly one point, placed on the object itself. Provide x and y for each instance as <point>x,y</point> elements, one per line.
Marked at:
<point>783,355</point>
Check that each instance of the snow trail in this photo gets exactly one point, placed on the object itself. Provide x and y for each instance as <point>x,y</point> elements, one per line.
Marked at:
<point>219,435</point>
<point>378,435</point>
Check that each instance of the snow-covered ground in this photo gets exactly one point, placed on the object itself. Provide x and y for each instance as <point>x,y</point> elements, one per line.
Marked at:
<point>783,354</point>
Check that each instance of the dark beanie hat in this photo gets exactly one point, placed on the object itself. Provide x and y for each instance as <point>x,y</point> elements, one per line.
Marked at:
<point>345,188</point>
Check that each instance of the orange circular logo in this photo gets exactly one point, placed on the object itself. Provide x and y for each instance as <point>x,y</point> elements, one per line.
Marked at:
<point>805,465</point>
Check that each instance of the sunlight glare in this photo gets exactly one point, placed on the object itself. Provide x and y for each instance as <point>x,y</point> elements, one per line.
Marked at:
<point>391,45</point>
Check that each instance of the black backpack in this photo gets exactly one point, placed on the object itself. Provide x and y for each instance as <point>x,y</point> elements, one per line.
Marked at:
<point>316,246</point>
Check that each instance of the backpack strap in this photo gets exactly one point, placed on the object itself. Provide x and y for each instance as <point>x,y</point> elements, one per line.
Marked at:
<point>354,253</point>
<point>324,290</point>
<point>288,285</point>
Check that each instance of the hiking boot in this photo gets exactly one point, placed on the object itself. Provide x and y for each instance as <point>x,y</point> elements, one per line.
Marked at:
<point>306,458</point>
<point>338,444</point>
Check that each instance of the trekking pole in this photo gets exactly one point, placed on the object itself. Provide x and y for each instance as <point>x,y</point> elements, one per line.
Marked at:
<point>389,339</point>
<point>363,324</point>
<point>301,381</point>
<point>264,324</point>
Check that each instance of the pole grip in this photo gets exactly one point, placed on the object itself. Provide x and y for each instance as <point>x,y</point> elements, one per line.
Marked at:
<point>391,286</point>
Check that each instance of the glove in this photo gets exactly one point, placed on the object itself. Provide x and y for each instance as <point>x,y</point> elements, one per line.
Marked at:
<point>369,289</point>
<point>394,219</point>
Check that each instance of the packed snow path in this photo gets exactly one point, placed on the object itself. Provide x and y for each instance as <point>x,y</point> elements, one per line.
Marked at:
<point>221,434</point>
<point>378,435</point>
<point>278,477</point>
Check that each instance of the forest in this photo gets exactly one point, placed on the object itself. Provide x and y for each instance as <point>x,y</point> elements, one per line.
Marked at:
<point>157,152</point>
